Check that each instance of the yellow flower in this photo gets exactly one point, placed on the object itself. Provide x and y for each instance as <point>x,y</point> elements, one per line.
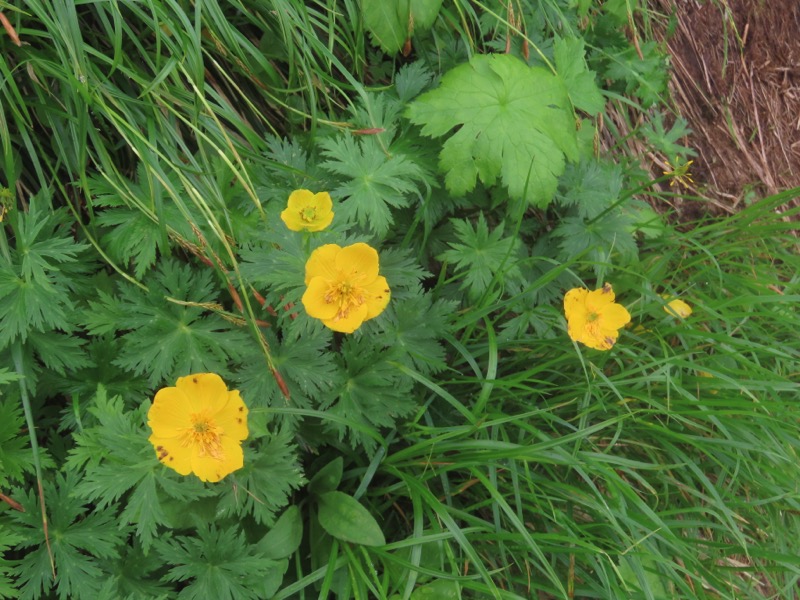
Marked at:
<point>593,318</point>
<point>198,427</point>
<point>677,308</point>
<point>306,211</point>
<point>343,288</point>
<point>679,173</point>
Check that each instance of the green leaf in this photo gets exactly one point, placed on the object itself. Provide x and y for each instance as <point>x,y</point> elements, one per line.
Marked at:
<point>482,256</point>
<point>514,122</point>
<point>344,518</point>
<point>392,22</point>
<point>438,590</point>
<point>415,326</point>
<point>161,338</point>
<point>645,76</point>
<point>15,455</point>
<point>285,536</point>
<point>384,20</point>
<point>35,285</point>
<point>217,564</point>
<point>371,395</point>
<point>7,541</point>
<point>578,79</point>
<point>264,483</point>
<point>591,186</point>
<point>640,575</point>
<point>79,535</point>
<point>328,478</point>
<point>375,182</point>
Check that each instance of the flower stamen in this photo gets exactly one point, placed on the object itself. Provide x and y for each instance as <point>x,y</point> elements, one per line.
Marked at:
<point>205,436</point>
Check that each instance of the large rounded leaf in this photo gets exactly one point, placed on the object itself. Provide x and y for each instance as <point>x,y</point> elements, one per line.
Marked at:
<point>344,518</point>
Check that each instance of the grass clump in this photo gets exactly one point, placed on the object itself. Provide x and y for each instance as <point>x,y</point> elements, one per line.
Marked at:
<point>419,422</point>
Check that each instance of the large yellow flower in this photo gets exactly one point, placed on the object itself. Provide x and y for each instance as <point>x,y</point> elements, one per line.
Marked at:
<point>306,211</point>
<point>198,427</point>
<point>593,318</point>
<point>343,288</point>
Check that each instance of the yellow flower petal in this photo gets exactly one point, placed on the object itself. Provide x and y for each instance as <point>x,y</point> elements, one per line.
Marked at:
<point>232,418</point>
<point>575,302</point>
<point>210,468</point>
<point>348,322</point>
<point>314,299</point>
<point>172,453</point>
<point>169,413</point>
<point>322,262</point>
<point>358,261</point>
<point>378,295</point>
<point>678,308</point>
<point>204,390</point>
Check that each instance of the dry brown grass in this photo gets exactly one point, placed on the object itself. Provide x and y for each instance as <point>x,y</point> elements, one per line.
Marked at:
<point>736,80</point>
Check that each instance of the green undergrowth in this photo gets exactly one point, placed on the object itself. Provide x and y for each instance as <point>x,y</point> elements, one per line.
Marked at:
<point>457,445</point>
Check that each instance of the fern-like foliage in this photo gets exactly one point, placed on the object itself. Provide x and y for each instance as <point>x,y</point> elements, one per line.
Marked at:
<point>372,395</point>
<point>270,474</point>
<point>482,256</point>
<point>374,182</point>
<point>78,535</point>
<point>216,564</point>
<point>171,329</point>
<point>35,285</point>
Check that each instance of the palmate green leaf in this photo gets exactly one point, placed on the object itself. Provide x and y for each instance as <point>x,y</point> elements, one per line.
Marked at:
<point>346,519</point>
<point>481,256</point>
<point>597,241</point>
<point>372,394</point>
<point>415,326</point>
<point>78,534</point>
<point>591,186</point>
<point>264,483</point>
<point>579,80</point>
<point>8,540</point>
<point>34,292</point>
<point>217,564</point>
<point>163,339</point>
<point>15,455</point>
<point>374,182</point>
<point>392,22</point>
<point>514,122</point>
<point>645,77</point>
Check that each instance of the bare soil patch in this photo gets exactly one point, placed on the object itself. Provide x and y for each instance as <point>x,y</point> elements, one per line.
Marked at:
<point>736,80</point>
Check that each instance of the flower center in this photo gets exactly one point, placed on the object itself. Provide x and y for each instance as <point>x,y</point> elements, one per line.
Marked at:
<point>347,294</point>
<point>204,435</point>
<point>308,214</point>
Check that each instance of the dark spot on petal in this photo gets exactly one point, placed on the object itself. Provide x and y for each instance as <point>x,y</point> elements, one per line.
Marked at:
<point>239,421</point>
<point>610,341</point>
<point>606,288</point>
<point>241,409</point>
<point>194,379</point>
<point>387,291</point>
<point>171,459</point>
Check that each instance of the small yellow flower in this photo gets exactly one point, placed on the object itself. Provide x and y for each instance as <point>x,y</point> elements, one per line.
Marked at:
<point>306,211</point>
<point>343,288</point>
<point>593,318</point>
<point>679,173</point>
<point>677,308</point>
<point>198,427</point>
